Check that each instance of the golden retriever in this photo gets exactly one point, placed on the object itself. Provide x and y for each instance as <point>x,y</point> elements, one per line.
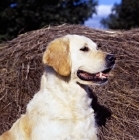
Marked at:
<point>61,109</point>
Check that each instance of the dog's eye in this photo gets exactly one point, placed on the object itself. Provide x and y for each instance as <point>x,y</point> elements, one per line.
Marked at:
<point>85,49</point>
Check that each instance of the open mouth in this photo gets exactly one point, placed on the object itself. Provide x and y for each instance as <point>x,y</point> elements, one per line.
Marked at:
<point>99,77</point>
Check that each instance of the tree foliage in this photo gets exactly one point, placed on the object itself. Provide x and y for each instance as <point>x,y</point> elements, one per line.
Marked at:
<point>123,16</point>
<point>19,16</point>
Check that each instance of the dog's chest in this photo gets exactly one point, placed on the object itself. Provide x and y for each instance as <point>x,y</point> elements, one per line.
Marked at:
<point>79,129</point>
<point>66,125</point>
<point>59,119</point>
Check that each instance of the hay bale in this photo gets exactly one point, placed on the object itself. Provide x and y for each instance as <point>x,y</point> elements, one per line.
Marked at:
<point>21,68</point>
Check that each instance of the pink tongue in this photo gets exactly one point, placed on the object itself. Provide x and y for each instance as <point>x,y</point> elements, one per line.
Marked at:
<point>102,75</point>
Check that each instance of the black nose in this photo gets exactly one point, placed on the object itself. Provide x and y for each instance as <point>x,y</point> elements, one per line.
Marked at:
<point>110,58</point>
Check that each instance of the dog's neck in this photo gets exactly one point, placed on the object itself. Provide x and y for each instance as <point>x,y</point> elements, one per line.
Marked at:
<point>64,93</point>
<point>50,76</point>
<point>63,85</point>
<point>52,79</point>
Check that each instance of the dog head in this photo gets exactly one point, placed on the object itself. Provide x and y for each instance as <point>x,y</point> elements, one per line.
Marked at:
<point>79,57</point>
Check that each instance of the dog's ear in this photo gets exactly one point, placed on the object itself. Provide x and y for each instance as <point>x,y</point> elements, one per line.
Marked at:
<point>57,56</point>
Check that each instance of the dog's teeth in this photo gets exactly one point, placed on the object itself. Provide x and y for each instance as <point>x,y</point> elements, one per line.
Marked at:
<point>100,74</point>
<point>103,77</point>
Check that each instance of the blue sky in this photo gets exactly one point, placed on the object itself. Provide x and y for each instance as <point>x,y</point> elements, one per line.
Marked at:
<point>108,2</point>
<point>103,10</point>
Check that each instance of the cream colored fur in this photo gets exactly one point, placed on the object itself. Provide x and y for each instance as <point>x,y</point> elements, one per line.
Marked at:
<point>61,109</point>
